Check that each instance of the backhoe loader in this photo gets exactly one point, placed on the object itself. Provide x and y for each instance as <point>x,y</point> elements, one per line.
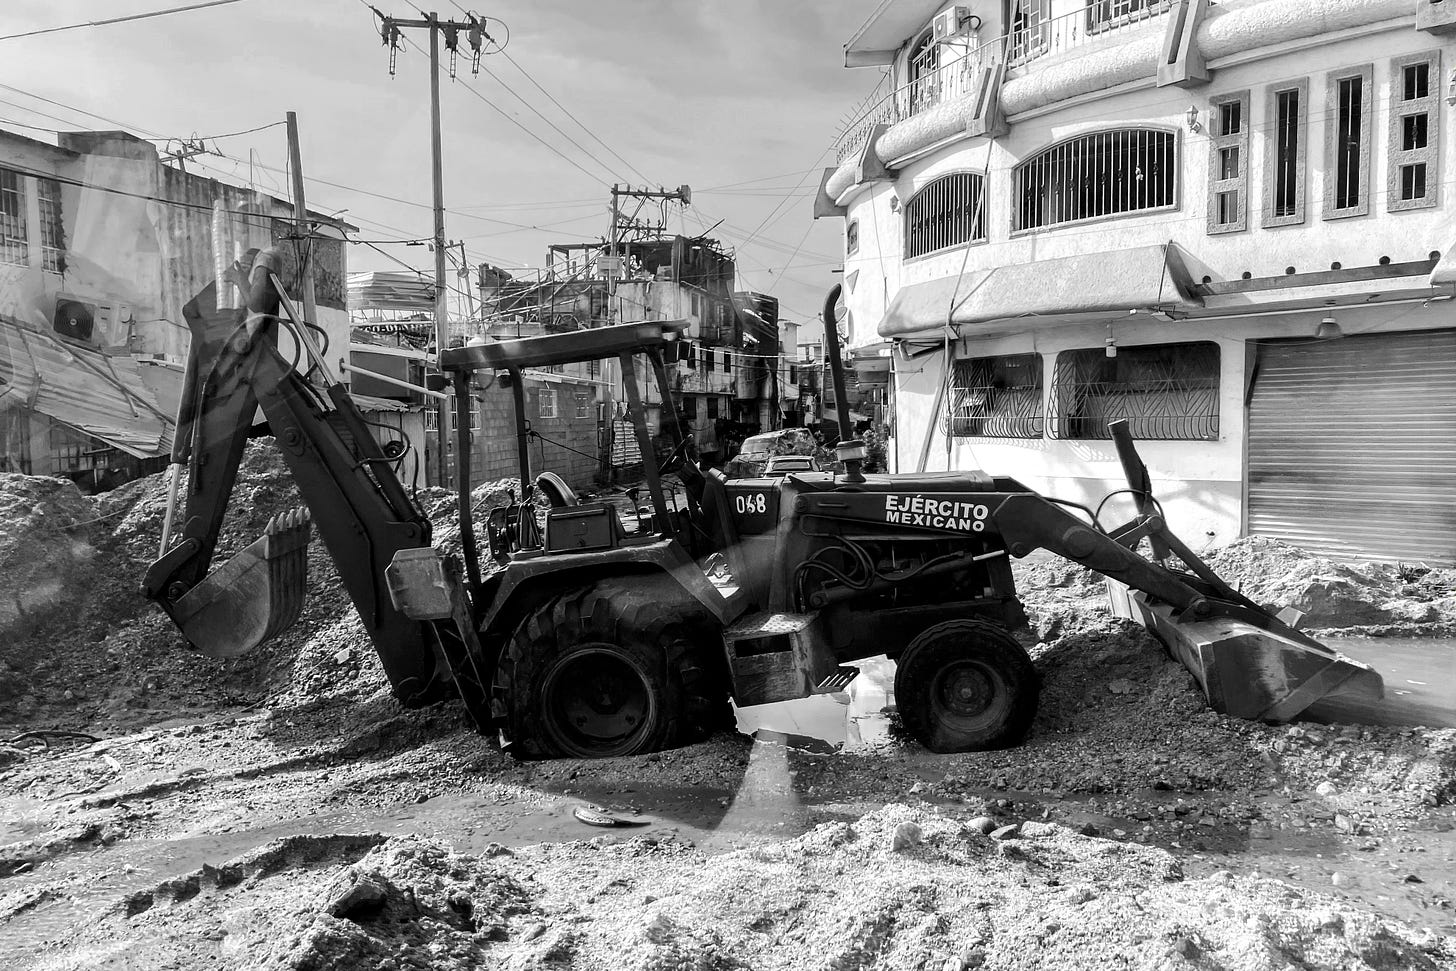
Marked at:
<point>582,634</point>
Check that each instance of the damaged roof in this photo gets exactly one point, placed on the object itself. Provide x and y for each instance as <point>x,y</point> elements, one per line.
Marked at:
<point>92,392</point>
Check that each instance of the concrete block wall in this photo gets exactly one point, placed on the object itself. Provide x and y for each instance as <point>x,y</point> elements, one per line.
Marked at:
<point>494,452</point>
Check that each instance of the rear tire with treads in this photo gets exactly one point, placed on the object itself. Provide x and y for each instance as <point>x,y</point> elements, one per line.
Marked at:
<point>966,686</point>
<point>618,667</point>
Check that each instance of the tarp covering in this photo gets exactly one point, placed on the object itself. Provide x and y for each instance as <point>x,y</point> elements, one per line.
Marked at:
<point>94,393</point>
<point>386,290</point>
<point>367,402</point>
<point>1117,281</point>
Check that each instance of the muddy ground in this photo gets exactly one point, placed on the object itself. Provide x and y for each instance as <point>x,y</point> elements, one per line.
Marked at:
<point>281,811</point>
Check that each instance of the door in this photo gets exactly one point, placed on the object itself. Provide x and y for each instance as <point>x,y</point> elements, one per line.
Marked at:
<point>1352,446</point>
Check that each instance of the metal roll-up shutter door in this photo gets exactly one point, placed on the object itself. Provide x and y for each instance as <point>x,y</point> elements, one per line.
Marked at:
<point>1352,446</point>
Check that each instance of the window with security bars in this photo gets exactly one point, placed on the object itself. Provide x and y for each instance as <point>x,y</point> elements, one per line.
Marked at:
<point>1415,124</point>
<point>583,404</point>
<point>1285,153</point>
<point>1347,143</point>
<point>1104,14</point>
<point>998,397</point>
<point>1166,392</point>
<point>1103,174</point>
<point>546,403</point>
<point>945,213</point>
<point>14,246</point>
<point>1228,163</point>
<point>52,231</point>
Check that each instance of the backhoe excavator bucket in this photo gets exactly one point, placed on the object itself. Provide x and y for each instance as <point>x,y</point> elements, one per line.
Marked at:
<point>1250,671</point>
<point>252,597</point>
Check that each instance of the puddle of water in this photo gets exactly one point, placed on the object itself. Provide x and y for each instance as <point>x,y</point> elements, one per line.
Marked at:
<point>1420,683</point>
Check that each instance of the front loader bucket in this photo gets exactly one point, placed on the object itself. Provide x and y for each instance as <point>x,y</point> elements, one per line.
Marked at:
<point>1250,671</point>
<point>252,597</point>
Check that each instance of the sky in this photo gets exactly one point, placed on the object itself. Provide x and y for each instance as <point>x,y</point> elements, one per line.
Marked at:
<point>740,101</point>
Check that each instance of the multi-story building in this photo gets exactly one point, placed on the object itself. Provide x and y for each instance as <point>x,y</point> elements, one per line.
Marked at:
<point>101,246</point>
<point>724,377</point>
<point>1228,223</point>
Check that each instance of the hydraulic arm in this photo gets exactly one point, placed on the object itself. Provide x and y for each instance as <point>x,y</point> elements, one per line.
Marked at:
<point>348,484</point>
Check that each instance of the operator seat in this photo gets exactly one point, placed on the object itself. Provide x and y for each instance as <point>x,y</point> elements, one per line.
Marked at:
<point>555,489</point>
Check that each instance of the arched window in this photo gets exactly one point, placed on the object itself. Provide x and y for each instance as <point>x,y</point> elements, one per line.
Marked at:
<point>1103,174</point>
<point>946,212</point>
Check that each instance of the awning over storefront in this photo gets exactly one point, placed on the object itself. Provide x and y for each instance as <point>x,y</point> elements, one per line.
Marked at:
<point>1148,278</point>
<point>94,393</point>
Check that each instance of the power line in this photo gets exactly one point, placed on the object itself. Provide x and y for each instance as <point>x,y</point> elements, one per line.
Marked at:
<point>122,20</point>
<point>596,138</point>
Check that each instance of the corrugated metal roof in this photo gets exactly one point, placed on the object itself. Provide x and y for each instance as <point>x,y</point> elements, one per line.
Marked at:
<point>102,396</point>
<point>368,402</point>
<point>385,290</point>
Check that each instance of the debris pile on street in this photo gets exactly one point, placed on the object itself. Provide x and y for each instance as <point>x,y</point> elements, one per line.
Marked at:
<point>899,887</point>
<point>295,764</point>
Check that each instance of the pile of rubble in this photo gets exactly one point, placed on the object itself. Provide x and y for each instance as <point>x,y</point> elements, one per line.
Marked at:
<point>900,887</point>
<point>110,658</point>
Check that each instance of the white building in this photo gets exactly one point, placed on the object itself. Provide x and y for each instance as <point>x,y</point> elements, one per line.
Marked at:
<point>1067,211</point>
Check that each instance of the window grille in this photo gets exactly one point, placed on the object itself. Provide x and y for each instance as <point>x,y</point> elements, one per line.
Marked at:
<point>1347,143</point>
<point>583,404</point>
<point>921,68</point>
<point>14,247</point>
<point>998,397</point>
<point>1415,125</point>
<point>1030,27</point>
<point>52,230</point>
<point>1104,14</point>
<point>546,403</point>
<point>432,418</point>
<point>944,213</point>
<point>1165,391</point>
<point>851,237</point>
<point>1284,154</point>
<point>1103,174</point>
<point>1228,163</point>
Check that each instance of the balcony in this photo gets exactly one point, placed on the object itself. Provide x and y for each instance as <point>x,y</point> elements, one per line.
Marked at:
<point>942,76</point>
<point>933,85</point>
<point>1040,35</point>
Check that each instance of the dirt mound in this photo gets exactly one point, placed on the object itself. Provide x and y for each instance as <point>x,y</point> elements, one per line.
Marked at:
<point>45,551</point>
<point>898,888</point>
<point>110,657</point>
<point>1332,594</point>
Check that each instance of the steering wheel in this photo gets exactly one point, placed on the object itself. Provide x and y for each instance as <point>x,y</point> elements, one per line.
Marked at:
<point>676,457</point>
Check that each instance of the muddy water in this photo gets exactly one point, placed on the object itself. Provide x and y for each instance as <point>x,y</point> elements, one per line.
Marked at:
<point>1410,875</point>
<point>1420,682</point>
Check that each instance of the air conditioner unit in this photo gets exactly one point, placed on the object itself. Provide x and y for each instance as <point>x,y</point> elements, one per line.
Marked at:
<point>88,321</point>
<point>948,22</point>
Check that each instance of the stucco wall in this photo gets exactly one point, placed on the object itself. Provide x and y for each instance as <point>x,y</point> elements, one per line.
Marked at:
<point>1314,245</point>
<point>1198,482</point>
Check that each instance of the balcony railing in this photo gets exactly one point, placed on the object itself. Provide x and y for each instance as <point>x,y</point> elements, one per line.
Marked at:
<point>1039,35</point>
<point>954,79</point>
<point>1044,36</point>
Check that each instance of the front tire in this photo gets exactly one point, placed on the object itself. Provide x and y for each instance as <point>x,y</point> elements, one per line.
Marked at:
<point>619,667</point>
<point>966,686</point>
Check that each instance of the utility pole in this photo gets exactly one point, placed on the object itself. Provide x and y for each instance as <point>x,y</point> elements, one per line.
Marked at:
<point>474,29</point>
<point>301,226</point>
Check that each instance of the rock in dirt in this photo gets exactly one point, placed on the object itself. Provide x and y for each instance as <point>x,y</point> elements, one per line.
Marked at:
<point>906,835</point>
<point>356,895</point>
<point>983,825</point>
